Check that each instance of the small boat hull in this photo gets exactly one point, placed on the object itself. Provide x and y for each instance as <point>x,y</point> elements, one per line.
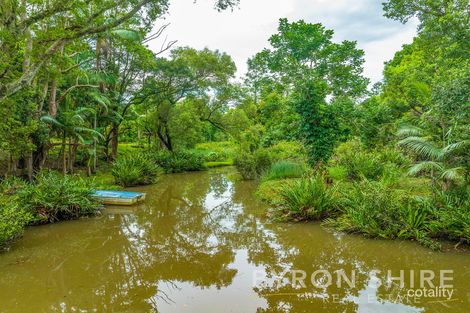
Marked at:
<point>113,197</point>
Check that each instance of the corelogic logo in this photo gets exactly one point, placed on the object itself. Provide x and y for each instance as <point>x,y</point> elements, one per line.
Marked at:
<point>402,286</point>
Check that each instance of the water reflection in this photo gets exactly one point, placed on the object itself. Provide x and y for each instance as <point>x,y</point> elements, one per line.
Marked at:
<point>194,247</point>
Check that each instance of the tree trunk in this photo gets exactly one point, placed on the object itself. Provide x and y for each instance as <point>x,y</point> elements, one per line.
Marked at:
<point>64,156</point>
<point>95,155</point>
<point>30,166</point>
<point>53,99</point>
<point>164,136</point>
<point>73,146</point>
<point>114,141</point>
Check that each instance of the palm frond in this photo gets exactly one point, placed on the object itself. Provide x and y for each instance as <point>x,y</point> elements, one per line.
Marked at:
<point>456,147</point>
<point>453,174</point>
<point>408,131</point>
<point>102,100</point>
<point>425,166</point>
<point>51,120</point>
<point>89,131</point>
<point>422,147</point>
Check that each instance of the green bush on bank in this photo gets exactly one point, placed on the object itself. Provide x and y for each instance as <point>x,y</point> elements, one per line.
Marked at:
<point>377,209</point>
<point>53,197</point>
<point>352,162</point>
<point>12,221</point>
<point>179,161</point>
<point>374,209</point>
<point>450,215</point>
<point>309,198</point>
<point>253,165</point>
<point>135,170</point>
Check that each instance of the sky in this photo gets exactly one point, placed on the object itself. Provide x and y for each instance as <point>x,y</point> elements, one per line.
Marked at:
<point>243,32</point>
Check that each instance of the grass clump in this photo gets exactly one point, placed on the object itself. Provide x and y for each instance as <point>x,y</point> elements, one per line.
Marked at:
<point>179,161</point>
<point>283,170</point>
<point>309,198</point>
<point>135,170</point>
<point>53,197</point>
<point>378,210</point>
<point>450,215</point>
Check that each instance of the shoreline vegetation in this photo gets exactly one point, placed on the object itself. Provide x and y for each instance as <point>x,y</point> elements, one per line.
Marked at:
<point>91,106</point>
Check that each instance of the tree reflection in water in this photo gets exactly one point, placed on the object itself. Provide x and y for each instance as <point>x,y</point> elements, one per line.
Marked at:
<point>201,231</point>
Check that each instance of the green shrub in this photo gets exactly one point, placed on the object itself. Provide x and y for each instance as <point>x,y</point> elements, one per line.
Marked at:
<point>284,169</point>
<point>179,161</point>
<point>12,221</point>
<point>359,163</point>
<point>288,150</point>
<point>53,197</point>
<point>253,165</point>
<point>308,199</point>
<point>135,170</point>
<point>376,209</point>
<point>451,216</point>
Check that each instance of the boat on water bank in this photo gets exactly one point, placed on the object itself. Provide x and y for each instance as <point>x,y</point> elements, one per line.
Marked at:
<point>115,197</point>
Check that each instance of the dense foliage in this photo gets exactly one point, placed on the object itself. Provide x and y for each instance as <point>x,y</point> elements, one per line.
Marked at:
<point>403,169</point>
<point>135,170</point>
<point>53,197</point>
<point>180,161</point>
<point>12,221</point>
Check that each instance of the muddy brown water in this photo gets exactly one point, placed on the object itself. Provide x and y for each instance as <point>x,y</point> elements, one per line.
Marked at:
<point>201,243</point>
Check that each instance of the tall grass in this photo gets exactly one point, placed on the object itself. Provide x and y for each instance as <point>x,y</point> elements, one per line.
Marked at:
<point>451,215</point>
<point>53,197</point>
<point>135,170</point>
<point>378,210</point>
<point>308,199</point>
<point>283,170</point>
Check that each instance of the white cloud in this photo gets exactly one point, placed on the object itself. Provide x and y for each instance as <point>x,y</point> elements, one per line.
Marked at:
<point>245,31</point>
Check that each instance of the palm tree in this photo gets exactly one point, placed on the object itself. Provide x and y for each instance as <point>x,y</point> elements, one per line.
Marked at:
<point>73,123</point>
<point>446,160</point>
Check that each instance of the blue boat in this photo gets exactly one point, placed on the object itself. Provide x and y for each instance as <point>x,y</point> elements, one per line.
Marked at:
<point>119,197</point>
